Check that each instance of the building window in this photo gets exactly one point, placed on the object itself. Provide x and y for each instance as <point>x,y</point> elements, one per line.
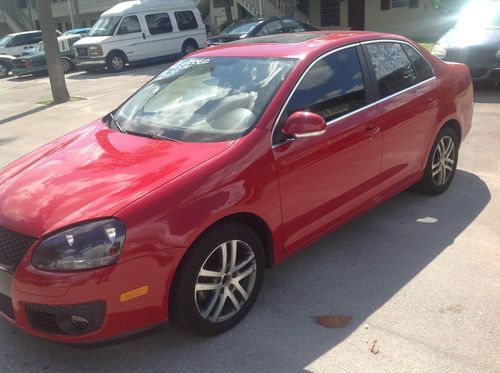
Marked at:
<point>385,4</point>
<point>400,4</point>
<point>221,3</point>
<point>330,13</point>
<point>414,4</point>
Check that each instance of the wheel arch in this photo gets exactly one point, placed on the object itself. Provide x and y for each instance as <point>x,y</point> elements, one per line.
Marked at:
<point>455,126</point>
<point>189,40</point>
<point>120,51</point>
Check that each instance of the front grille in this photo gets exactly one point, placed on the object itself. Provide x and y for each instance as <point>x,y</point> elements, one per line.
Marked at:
<point>478,73</point>
<point>13,246</point>
<point>6,306</point>
<point>495,74</point>
<point>66,319</point>
<point>83,52</point>
<point>472,56</point>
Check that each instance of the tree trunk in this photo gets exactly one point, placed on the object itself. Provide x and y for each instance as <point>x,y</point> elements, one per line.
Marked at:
<point>229,11</point>
<point>52,53</point>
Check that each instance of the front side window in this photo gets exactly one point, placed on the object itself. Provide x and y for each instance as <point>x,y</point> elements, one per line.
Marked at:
<point>186,20</point>
<point>159,23</point>
<point>130,25</point>
<point>105,26</point>
<point>421,66</point>
<point>332,87</point>
<point>205,99</point>
<point>393,69</point>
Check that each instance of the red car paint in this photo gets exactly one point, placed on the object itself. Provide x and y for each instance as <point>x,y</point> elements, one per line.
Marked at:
<point>168,193</point>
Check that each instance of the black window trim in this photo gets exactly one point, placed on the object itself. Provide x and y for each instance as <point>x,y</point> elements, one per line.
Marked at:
<point>373,96</point>
<point>372,70</point>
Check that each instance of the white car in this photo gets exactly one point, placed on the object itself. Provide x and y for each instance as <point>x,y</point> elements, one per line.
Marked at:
<point>18,43</point>
<point>135,31</point>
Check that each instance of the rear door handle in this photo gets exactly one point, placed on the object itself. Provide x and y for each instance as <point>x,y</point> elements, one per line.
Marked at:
<point>371,132</point>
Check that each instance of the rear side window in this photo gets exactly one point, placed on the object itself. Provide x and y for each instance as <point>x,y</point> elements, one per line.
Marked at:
<point>421,66</point>
<point>186,20</point>
<point>293,26</point>
<point>393,69</point>
<point>332,87</point>
<point>130,25</point>
<point>159,23</point>
<point>274,27</point>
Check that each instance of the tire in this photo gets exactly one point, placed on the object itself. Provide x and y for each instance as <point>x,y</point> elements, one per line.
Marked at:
<point>188,47</point>
<point>439,171</point>
<point>66,65</point>
<point>116,62</point>
<point>208,299</point>
<point>4,70</point>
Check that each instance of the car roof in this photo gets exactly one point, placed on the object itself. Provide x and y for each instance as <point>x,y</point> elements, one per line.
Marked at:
<point>24,32</point>
<point>293,45</point>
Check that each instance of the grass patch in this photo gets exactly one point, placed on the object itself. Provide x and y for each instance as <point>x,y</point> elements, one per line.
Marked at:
<point>50,101</point>
<point>427,46</point>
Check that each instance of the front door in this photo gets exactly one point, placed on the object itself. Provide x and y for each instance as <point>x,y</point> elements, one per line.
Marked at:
<point>133,38</point>
<point>325,179</point>
<point>356,14</point>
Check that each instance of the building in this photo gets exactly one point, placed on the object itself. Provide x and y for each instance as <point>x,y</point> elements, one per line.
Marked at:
<point>413,18</point>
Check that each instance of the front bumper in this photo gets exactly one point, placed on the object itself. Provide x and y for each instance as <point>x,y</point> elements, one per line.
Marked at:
<point>43,303</point>
<point>485,74</point>
<point>89,63</point>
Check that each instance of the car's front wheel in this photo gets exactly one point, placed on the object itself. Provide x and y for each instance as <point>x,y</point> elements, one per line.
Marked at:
<point>66,65</point>
<point>441,164</point>
<point>4,70</point>
<point>115,62</point>
<point>219,279</point>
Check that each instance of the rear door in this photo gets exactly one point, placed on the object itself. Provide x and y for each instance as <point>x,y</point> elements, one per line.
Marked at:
<point>160,36</point>
<point>408,93</point>
<point>325,179</point>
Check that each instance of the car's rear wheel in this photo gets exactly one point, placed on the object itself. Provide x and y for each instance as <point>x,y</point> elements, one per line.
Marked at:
<point>66,65</point>
<point>189,46</point>
<point>219,280</point>
<point>4,70</point>
<point>115,62</point>
<point>441,164</point>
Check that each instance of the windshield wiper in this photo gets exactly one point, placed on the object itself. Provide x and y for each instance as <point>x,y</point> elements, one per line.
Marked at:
<point>151,136</point>
<point>116,123</point>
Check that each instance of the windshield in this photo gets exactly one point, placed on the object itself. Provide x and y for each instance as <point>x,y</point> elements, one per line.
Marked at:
<point>5,40</point>
<point>204,99</point>
<point>239,28</point>
<point>481,14</point>
<point>105,26</point>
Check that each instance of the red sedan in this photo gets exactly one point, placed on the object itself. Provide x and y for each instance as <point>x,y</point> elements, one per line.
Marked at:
<point>231,160</point>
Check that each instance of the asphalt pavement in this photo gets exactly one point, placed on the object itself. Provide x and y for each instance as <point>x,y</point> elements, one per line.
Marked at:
<point>418,275</point>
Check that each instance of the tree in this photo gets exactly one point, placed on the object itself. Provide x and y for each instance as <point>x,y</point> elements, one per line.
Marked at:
<point>52,54</point>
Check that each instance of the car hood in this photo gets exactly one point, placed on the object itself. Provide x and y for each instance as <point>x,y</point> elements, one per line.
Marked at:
<point>463,38</point>
<point>90,173</point>
<point>91,40</point>
<point>7,57</point>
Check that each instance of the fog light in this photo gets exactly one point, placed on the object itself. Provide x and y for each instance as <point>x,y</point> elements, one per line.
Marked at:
<point>79,322</point>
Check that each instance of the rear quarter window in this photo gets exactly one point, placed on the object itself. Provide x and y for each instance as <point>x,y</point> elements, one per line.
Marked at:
<point>421,66</point>
<point>186,20</point>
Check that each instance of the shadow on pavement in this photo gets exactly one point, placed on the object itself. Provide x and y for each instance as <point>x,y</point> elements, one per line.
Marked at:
<point>487,94</point>
<point>139,69</point>
<point>352,271</point>
<point>21,115</point>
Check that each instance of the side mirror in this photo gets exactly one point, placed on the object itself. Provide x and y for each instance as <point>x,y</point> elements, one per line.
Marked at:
<point>304,124</point>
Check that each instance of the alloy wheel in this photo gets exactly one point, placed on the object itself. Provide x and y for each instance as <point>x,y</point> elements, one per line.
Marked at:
<point>225,281</point>
<point>443,160</point>
<point>117,63</point>
<point>3,70</point>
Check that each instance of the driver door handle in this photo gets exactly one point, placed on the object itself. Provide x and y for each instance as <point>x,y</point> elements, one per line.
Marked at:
<point>371,132</point>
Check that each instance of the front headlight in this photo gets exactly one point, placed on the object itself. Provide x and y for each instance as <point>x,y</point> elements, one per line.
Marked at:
<point>90,245</point>
<point>95,50</point>
<point>438,50</point>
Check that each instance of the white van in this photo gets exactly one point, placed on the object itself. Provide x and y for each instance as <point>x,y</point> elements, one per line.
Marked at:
<point>141,30</point>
